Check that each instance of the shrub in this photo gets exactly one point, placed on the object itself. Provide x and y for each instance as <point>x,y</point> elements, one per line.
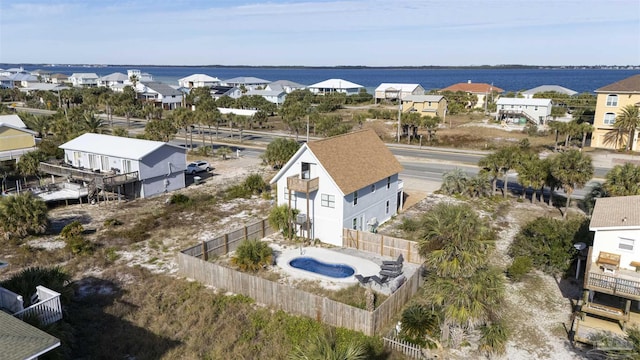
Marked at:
<point>255,184</point>
<point>25,282</point>
<point>76,243</point>
<point>111,222</point>
<point>409,225</point>
<point>520,266</point>
<point>494,339</point>
<point>281,218</point>
<point>237,191</point>
<point>252,255</point>
<point>179,199</point>
<point>22,214</point>
<point>420,325</point>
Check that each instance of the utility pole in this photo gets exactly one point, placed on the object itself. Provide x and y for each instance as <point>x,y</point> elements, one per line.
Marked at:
<point>399,113</point>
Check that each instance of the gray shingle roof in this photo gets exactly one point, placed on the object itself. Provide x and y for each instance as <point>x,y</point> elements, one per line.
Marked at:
<point>616,212</point>
<point>162,88</point>
<point>19,340</point>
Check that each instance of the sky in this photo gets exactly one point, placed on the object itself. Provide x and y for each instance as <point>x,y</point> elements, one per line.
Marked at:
<point>321,32</point>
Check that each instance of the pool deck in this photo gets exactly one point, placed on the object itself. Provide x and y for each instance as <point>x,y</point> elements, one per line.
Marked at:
<point>365,264</point>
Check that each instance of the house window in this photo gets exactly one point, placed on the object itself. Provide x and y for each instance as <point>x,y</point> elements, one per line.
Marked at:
<point>354,224</point>
<point>293,197</point>
<point>355,198</point>
<point>373,188</point>
<point>626,244</point>
<point>612,100</point>
<point>126,166</point>
<point>609,118</point>
<point>327,200</point>
<point>306,170</point>
<point>104,162</point>
<point>93,161</point>
<point>388,182</point>
<point>387,209</point>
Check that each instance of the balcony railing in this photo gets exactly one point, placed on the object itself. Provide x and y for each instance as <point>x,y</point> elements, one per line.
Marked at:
<point>48,309</point>
<point>295,183</point>
<point>623,283</point>
<point>101,178</point>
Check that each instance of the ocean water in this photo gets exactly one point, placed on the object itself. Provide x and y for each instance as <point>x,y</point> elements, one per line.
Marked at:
<point>580,80</point>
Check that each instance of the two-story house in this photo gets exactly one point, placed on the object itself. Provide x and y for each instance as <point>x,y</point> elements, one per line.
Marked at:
<point>612,273</point>
<point>611,99</point>
<point>273,96</point>
<point>425,105</point>
<point>162,95</point>
<point>114,80</point>
<point>335,86</point>
<point>246,83</point>
<point>523,110</point>
<point>15,138</point>
<point>83,79</point>
<point>482,91</point>
<point>347,181</point>
<point>133,167</point>
<point>395,91</point>
<point>285,85</point>
<point>198,80</point>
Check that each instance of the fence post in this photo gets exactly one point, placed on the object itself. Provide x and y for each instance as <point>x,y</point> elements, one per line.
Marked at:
<point>205,256</point>
<point>263,234</point>
<point>382,245</point>
<point>226,244</point>
<point>246,237</point>
<point>408,251</point>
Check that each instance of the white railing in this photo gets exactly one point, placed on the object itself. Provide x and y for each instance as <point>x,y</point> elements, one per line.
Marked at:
<point>10,301</point>
<point>48,309</point>
<point>408,349</point>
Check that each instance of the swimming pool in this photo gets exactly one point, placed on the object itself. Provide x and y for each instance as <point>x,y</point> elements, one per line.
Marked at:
<point>315,266</point>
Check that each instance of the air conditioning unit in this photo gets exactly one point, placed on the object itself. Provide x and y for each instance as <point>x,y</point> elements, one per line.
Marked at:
<point>372,222</point>
<point>301,219</point>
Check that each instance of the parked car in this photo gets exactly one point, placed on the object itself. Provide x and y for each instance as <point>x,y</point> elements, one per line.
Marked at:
<point>197,166</point>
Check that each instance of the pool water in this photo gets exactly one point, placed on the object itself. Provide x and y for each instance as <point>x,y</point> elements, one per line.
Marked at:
<point>319,267</point>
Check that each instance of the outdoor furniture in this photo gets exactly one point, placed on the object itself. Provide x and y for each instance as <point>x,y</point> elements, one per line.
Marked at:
<point>379,280</point>
<point>606,258</point>
<point>391,274</point>
<point>394,262</point>
<point>395,267</point>
<point>362,279</point>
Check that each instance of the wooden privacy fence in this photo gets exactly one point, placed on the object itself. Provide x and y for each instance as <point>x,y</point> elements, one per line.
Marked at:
<point>192,263</point>
<point>296,301</point>
<point>227,243</point>
<point>382,245</point>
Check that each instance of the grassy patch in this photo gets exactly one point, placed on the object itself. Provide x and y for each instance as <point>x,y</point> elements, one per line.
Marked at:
<point>354,295</point>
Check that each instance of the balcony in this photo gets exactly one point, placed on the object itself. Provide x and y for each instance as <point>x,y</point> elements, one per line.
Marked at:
<point>619,282</point>
<point>46,305</point>
<point>102,179</point>
<point>295,183</point>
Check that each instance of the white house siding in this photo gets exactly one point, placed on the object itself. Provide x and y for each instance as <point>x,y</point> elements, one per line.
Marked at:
<point>371,204</point>
<point>104,163</point>
<point>331,230</point>
<point>609,241</point>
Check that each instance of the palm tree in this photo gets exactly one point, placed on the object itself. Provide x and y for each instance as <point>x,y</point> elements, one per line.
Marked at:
<point>492,166</point>
<point>628,121</point>
<point>479,186</point>
<point>326,347</point>
<point>454,182</point>
<point>623,180</point>
<point>39,124</point>
<point>453,240</point>
<point>559,128</point>
<point>252,255</point>
<point>585,129</point>
<point>29,163</point>
<point>183,119</point>
<point>92,123</point>
<point>573,169</point>
<point>532,173</point>
<point>26,281</point>
<point>22,214</point>
<point>420,325</point>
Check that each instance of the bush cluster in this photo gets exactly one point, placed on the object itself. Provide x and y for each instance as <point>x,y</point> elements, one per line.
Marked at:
<point>520,266</point>
<point>253,184</point>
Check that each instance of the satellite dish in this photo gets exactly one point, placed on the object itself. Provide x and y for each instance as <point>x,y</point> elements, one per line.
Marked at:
<point>580,246</point>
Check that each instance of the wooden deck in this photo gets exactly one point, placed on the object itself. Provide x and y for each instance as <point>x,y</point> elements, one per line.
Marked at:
<point>600,277</point>
<point>587,327</point>
<point>294,183</point>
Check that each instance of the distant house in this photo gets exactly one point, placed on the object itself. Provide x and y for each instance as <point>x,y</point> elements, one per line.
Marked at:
<point>611,99</point>
<point>139,75</point>
<point>160,94</point>
<point>5,82</point>
<point>285,85</point>
<point>58,78</point>
<point>83,79</point>
<point>239,112</point>
<point>274,96</point>
<point>15,138</point>
<point>480,90</point>
<point>198,80</point>
<point>520,110</point>
<point>612,277</point>
<point>425,105</point>
<point>230,91</point>
<point>22,79</point>
<point>346,181</point>
<point>42,75</point>
<point>395,91</point>
<point>116,79</point>
<point>528,94</point>
<point>133,167</point>
<point>335,86</point>
<point>246,82</point>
